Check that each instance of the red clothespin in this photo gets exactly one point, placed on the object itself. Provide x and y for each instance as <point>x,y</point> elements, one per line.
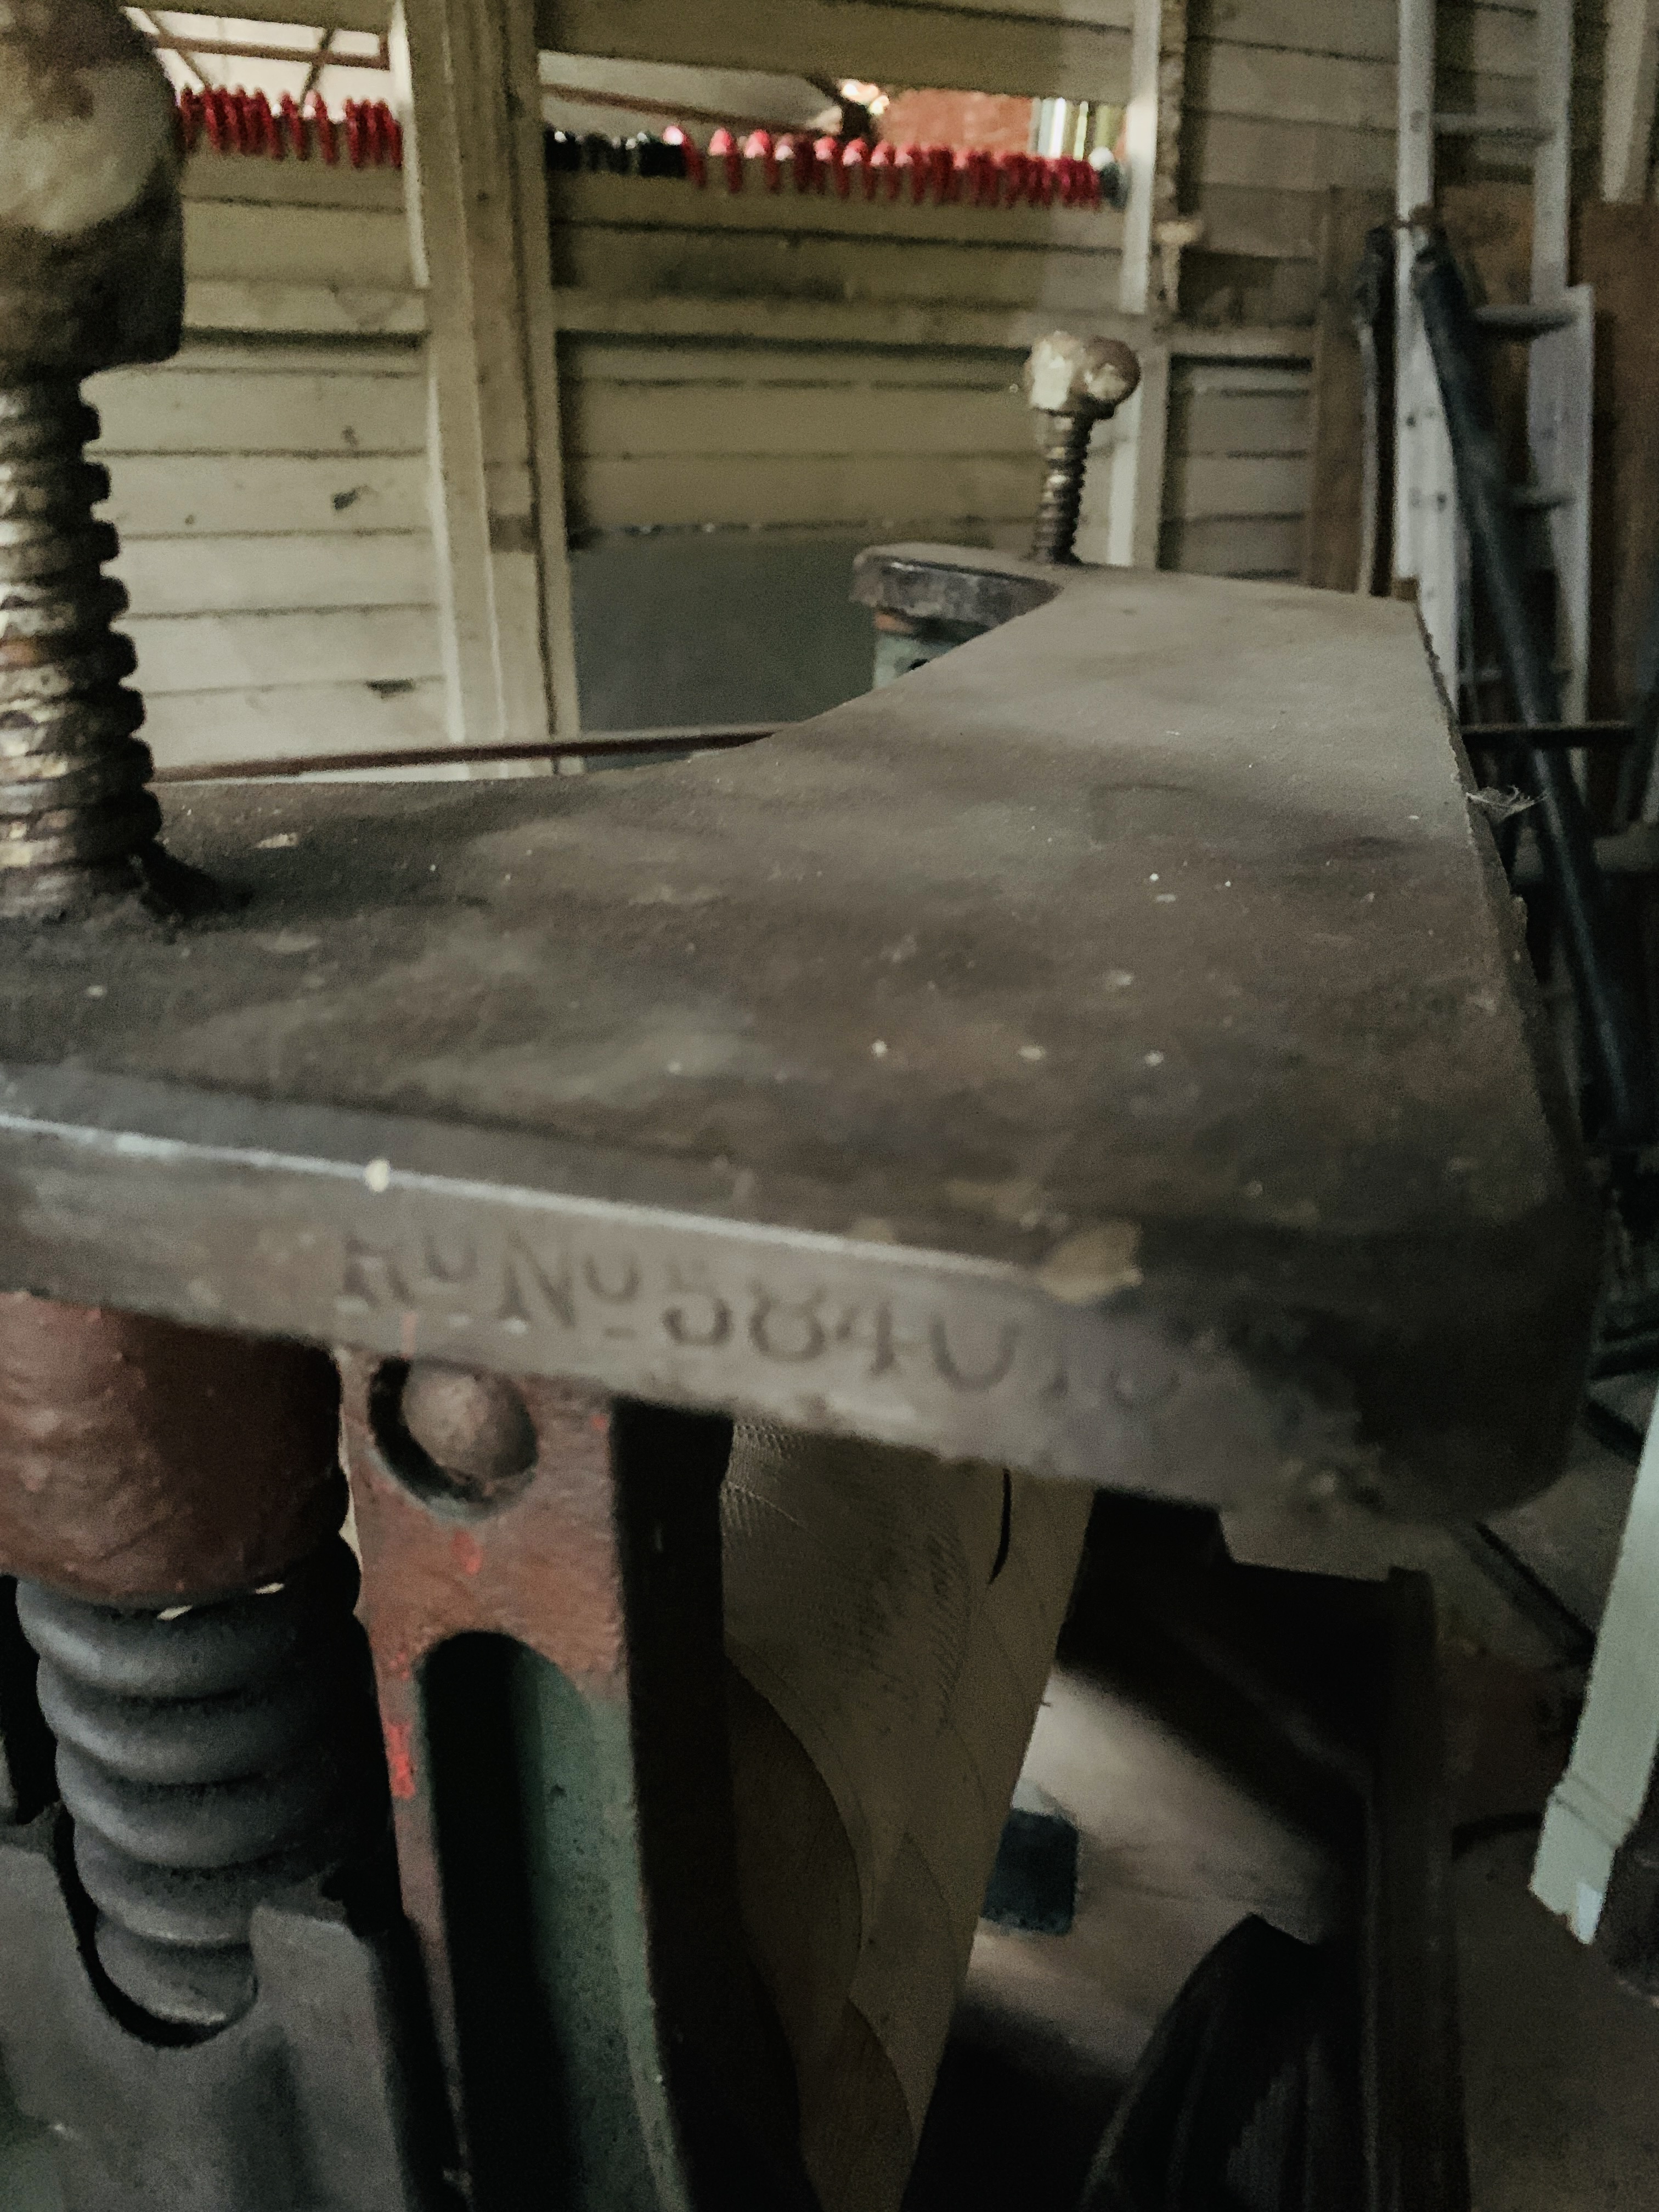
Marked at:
<point>913,161</point>
<point>356,133</point>
<point>724,148</point>
<point>826,152</point>
<point>941,174</point>
<point>1010,170</point>
<point>883,169</point>
<point>323,123</point>
<point>191,114</point>
<point>796,148</point>
<point>697,170</point>
<point>267,138</point>
<point>964,179</point>
<point>291,125</point>
<point>987,180</point>
<point>855,160</point>
<point>758,147</point>
<point>394,136</point>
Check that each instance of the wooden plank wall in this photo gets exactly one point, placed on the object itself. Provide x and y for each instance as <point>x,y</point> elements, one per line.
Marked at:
<point>753,361</point>
<point>779,364</point>
<point>802,365</point>
<point>1237,488</point>
<point>733,437</point>
<point>270,485</point>
<point>1285,98</point>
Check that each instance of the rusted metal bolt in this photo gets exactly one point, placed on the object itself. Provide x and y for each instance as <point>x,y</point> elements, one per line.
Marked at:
<point>91,277</point>
<point>474,1429</point>
<point>1074,383</point>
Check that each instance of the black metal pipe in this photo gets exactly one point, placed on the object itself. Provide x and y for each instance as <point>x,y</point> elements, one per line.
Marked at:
<point>1612,1039</point>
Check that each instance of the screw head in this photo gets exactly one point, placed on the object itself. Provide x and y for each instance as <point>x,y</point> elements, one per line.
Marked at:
<point>91,239</point>
<point>1068,376</point>
<point>474,1428</point>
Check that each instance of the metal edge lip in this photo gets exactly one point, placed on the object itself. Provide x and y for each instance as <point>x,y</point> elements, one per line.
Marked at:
<point>625,1214</point>
<point>966,1358</point>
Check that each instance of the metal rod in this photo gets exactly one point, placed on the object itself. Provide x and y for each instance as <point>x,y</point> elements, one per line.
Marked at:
<point>238,50</point>
<point>1065,466</point>
<point>1613,1044</point>
<point>1569,737</point>
<point>599,745</point>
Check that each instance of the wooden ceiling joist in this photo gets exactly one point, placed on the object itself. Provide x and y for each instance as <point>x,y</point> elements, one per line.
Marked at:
<point>967,47</point>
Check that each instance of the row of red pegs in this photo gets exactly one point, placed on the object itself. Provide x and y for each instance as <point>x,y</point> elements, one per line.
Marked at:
<point>941,174</point>
<point>369,134</point>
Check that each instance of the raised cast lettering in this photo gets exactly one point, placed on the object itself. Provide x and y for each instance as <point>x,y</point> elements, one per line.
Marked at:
<point>787,1329</point>
<point>983,1377</point>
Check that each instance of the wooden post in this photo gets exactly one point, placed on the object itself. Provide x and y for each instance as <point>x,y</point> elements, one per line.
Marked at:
<point>1597,1804</point>
<point>1553,164</point>
<point>1137,496</point>
<point>1629,87</point>
<point>1425,494</point>
<point>479,221</point>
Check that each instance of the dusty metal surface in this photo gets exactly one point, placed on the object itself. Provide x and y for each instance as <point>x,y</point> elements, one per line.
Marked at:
<point>1111,1050</point>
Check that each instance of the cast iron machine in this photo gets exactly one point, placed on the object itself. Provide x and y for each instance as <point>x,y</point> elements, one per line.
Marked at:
<point>1110,1054</point>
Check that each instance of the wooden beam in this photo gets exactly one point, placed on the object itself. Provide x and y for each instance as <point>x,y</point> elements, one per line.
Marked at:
<point>977,49</point>
<point>342,15</point>
<point>1628,93</point>
<point>479,205</point>
<point>1425,493</point>
<point>1132,536</point>
<point>1551,180</point>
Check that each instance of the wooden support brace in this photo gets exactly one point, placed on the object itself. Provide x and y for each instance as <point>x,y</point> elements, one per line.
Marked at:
<point>1632,77</point>
<point>478,211</point>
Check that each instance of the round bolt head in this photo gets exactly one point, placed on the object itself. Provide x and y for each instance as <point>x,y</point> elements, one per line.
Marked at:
<point>1068,376</point>
<point>91,240</point>
<point>474,1428</point>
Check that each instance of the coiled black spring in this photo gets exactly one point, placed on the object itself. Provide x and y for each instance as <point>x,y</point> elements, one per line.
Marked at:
<point>208,1758</point>
<point>73,805</point>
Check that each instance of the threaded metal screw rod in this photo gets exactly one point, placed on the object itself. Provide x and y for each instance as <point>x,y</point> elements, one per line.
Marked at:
<point>75,810</point>
<point>1065,466</point>
<point>1073,383</point>
<point>208,1758</point>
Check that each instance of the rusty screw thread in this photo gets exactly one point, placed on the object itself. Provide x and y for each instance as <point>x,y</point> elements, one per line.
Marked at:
<point>75,809</point>
<point>1065,466</point>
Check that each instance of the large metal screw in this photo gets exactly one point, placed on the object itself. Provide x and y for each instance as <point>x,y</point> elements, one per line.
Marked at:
<point>1075,383</point>
<point>91,277</point>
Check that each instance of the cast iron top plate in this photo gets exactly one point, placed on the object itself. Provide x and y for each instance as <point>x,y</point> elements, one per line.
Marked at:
<point>1110,1049</point>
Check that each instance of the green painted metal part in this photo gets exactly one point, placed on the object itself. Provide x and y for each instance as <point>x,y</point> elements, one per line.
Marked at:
<point>538,1824</point>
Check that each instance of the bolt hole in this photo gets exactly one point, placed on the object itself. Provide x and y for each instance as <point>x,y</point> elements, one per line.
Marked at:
<point>462,1441</point>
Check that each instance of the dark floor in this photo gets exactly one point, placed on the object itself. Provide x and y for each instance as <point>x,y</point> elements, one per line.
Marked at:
<point>1561,2065</point>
